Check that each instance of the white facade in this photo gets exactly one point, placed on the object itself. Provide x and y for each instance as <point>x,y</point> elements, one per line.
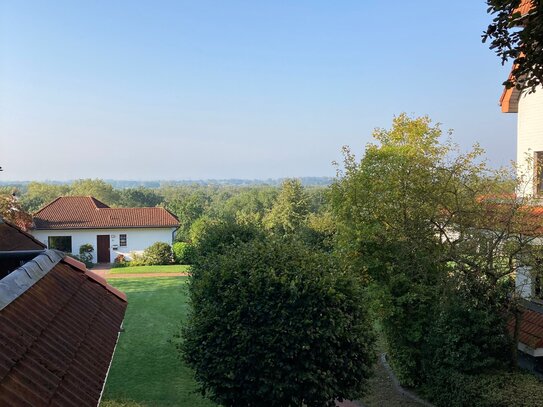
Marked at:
<point>529,137</point>
<point>137,239</point>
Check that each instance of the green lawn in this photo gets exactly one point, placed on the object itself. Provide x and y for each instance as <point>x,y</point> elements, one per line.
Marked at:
<point>174,268</point>
<point>146,369</point>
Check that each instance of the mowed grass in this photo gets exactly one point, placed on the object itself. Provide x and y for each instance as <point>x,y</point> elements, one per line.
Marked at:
<point>173,268</point>
<point>146,369</point>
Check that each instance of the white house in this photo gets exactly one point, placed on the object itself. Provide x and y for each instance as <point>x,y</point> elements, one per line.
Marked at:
<point>69,222</point>
<point>529,109</point>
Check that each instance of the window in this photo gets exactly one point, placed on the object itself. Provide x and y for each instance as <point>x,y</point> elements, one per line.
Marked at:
<point>122,240</point>
<point>62,243</point>
<point>538,168</point>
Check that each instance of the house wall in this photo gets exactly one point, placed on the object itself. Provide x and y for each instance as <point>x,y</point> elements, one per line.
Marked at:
<point>137,239</point>
<point>529,136</point>
<point>523,282</point>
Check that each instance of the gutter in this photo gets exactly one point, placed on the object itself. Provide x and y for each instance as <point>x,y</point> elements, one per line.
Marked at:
<point>121,329</point>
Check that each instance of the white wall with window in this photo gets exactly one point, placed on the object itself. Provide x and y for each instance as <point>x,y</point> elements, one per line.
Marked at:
<point>530,140</point>
<point>121,241</point>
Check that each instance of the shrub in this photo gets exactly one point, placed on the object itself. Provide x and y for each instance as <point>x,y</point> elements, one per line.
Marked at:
<point>183,253</point>
<point>85,254</point>
<point>218,237</point>
<point>273,323</point>
<point>158,253</point>
<point>494,389</point>
<point>120,261</point>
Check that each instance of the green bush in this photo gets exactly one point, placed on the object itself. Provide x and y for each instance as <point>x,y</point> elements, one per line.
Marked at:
<point>494,389</point>
<point>85,254</point>
<point>218,237</point>
<point>183,253</point>
<point>157,254</point>
<point>273,323</point>
<point>120,261</point>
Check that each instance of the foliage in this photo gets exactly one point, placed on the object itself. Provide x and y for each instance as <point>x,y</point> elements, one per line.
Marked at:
<point>39,193</point>
<point>223,234</point>
<point>273,323</point>
<point>157,254</point>
<point>517,37</point>
<point>11,211</point>
<point>420,221</point>
<point>86,254</point>
<point>138,197</point>
<point>490,389</point>
<point>183,253</point>
<point>97,188</point>
<point>290,209</point>
<point>120,261</point>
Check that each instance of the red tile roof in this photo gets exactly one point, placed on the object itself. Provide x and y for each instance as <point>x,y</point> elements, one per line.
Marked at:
<point>86,212</point>
<point>510,96</point>
<point>13,238</point>
<point>531,328</point>
<point>58,335</point>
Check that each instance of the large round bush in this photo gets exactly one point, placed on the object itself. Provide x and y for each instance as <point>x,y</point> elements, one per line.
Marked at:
<point>274,324</point>
<point>158,253</point>
<point>183,252</point>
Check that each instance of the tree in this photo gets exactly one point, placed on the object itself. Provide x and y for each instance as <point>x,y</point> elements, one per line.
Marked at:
<point>273,323</point>
<point>39,193</point>
<point>138,197</point>
<point>97,188</point>
<point>290,209</point>
<point>11,210</point>
<point>438,240</point>
<point>516,33</point>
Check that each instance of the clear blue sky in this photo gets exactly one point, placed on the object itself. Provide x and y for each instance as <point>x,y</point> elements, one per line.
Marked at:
<point>246,89</point>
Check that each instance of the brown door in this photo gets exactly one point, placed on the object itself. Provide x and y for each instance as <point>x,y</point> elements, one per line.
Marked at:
<point>102,243</point>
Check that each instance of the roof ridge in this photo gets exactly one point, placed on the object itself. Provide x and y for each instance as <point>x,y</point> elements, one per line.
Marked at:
<point>22,278</point>
<point>93,276</point>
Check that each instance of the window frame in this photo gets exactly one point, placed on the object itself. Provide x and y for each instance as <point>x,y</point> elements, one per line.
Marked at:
<point>123,240</point>
<point>52,246</point>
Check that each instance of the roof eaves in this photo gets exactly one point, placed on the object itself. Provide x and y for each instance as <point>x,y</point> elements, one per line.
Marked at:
<point>93,276</point>
<point>22,232</point>
<point>17,282</point>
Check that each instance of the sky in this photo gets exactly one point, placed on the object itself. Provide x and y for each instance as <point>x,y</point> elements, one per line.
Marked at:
<point>235,89</point>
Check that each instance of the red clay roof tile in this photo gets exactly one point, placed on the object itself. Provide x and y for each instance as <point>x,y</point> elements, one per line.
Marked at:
<point>57,339</point>
<point>86,212</point>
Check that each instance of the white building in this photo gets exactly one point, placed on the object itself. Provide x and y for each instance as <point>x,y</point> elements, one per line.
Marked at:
<point>69,222</point>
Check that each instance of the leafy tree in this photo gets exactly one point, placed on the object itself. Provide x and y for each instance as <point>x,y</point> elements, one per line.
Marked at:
<point>11,210</point>
<point>517,36</point>
<point>290,209</point>
<point>188,207</point>
<point>138,197</point>
<point>423,223</point>
<point>40,193</point>
<point>97,188</point>
<point>273,323</point>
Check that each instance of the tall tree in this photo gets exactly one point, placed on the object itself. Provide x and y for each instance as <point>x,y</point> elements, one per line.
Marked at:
<point>97,188</point>
<point>290,209</point>
<point>516,33</point>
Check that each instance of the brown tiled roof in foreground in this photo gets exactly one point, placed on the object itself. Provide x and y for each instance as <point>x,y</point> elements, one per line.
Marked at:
<point>86,212</point>
<point>13,238</point>
<point>59,325</point>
